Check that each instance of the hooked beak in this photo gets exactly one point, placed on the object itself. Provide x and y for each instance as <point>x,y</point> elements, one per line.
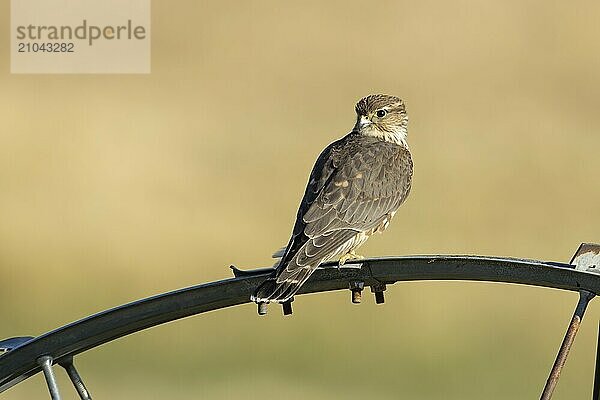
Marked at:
<point>361,123</point>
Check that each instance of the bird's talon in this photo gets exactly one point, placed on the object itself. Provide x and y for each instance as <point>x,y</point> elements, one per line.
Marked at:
<point>349,256</point>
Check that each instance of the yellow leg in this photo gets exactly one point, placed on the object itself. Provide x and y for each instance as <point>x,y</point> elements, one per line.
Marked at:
<point>351,255</point>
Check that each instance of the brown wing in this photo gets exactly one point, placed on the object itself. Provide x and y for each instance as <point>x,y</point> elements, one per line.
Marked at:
<point>355,184</point>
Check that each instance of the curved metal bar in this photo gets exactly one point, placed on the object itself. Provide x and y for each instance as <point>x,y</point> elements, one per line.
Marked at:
<point>77,337</point>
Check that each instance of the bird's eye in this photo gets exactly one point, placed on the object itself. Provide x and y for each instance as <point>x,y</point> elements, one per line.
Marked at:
<point>381,113</point>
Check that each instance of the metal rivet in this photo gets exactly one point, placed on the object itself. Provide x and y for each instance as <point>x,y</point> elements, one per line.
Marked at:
<point>287,307</point>
<point>378,290</point>
<point>262,308</point>
<point>357,288</point>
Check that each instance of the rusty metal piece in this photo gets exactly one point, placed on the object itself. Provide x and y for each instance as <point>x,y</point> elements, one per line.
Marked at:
<point>356,287</point>
<point>378,290</point>
<point>287,307</point>
<point>262,308</point>
<point>563,352</point>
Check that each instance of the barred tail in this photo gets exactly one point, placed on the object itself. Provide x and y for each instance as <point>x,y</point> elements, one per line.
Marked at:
<point>282,288</point>
<point>264,291</point>
<point>288,278</point>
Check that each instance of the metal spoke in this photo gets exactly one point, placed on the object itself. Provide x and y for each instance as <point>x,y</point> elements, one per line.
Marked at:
<point>563,353</point>
<point>46,363</point>
<point>69,366</point>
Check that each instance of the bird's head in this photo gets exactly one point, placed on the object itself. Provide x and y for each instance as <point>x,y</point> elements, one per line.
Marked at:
<point>382,116</point>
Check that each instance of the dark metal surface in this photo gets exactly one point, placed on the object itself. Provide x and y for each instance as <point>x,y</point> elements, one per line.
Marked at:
<point>70,340</point>
<point>565,347</point>
<point>596,391</point>
<point>12,343</point>
<point>378,290</point>
<point>287,307</point>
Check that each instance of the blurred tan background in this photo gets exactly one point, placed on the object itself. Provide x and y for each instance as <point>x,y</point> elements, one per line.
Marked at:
<point>117,187</point>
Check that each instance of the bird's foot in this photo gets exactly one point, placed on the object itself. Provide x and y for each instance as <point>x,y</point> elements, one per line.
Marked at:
<point>349,256</point>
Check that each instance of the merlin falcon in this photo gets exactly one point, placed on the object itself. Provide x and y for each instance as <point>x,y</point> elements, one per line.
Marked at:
<point>355,188</point>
